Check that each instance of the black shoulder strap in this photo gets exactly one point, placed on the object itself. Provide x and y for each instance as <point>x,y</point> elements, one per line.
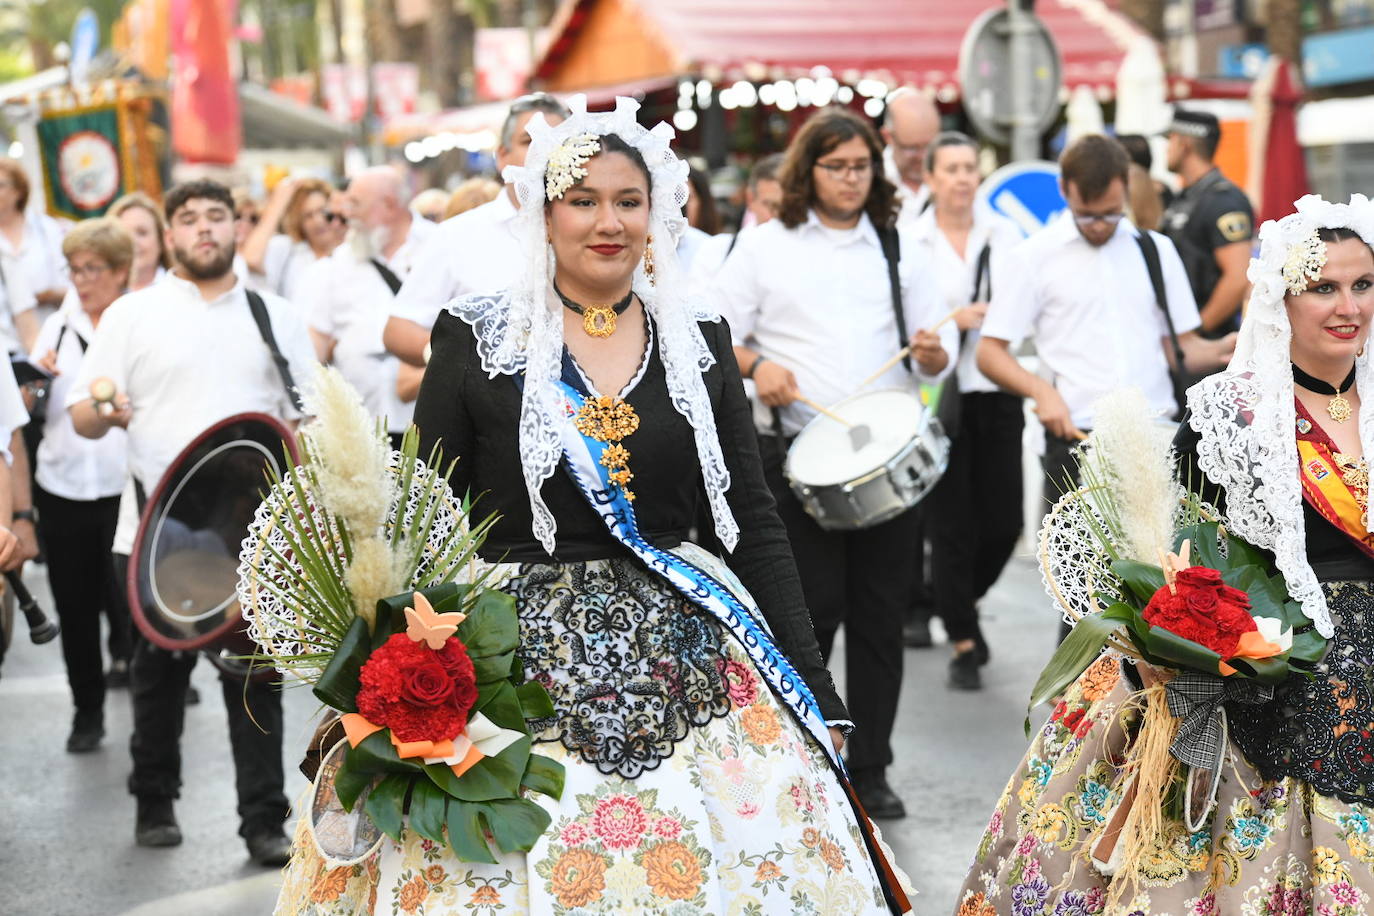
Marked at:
<point>264,323</point>
<point>62,335</point>
<point>982,273</point>
<point>892,251</point>
<point>388,275</point>
<point>1152,264</point>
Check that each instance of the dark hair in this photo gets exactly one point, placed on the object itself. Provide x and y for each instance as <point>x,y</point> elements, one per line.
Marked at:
<point>535,101</point>
<point>822,132</point>
<point>1138,148</point>
<point>200,189</point>
<point>1339,234</point>
<point>708,215</point>
<point>944,140</point>
<point>1092,163</point>
<point>766,169</point>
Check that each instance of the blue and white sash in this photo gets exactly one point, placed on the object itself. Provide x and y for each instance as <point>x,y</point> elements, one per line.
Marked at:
<point>582,456</point>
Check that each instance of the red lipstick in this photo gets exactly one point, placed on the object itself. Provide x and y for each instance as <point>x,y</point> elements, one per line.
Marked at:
<point>607,250</point>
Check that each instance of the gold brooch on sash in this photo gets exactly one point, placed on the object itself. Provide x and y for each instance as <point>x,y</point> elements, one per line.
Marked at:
<point>609,420</point>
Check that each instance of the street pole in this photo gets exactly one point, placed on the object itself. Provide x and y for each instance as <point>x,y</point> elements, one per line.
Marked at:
<point>1025,133</point>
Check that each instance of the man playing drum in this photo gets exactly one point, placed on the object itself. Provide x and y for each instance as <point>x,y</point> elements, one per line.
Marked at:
<point>183,354</point>
<point>815,309</point>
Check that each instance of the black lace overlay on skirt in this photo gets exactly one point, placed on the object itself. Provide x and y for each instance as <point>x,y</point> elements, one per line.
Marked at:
<point>631,666</point>
<point>1321,730</point>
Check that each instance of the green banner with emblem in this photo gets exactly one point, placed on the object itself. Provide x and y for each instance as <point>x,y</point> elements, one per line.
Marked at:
<point>85,160</point>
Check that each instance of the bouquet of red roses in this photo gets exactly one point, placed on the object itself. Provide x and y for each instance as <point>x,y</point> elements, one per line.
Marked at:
<point>1214,606</point>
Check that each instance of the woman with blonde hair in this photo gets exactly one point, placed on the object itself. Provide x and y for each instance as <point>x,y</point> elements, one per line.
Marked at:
<point>471,194</point>
<point>297,228</point>
<point>142,219</point>
<point>77,481</point>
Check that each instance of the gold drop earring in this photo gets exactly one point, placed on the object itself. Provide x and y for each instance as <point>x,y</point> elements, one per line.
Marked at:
<point>649,258</point>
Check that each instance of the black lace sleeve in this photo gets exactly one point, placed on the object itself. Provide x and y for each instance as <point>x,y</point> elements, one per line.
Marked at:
<point>763,558</point>
<point>440,412</point>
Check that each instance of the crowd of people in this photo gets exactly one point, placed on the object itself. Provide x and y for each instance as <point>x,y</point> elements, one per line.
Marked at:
<point>862,260</point>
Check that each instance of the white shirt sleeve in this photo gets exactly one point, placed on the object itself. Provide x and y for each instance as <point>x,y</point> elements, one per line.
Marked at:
<point>1015,306</point>
<point>13,415</point>
<point>18,291</point>
<point>1178,292</point>
<point>429,286</point>
<point>735,292</point>
<point>47,336</point>
<point>274,263</point>
<point>924,303</point>
<point>316,299</point>
<point>107,356</point>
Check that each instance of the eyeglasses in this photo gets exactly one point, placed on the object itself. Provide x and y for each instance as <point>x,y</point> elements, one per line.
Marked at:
<point>1087,219</point>
<point>88,270</point>
<point>251,219</point>
<point>843,169</point>
<point>331,217</point>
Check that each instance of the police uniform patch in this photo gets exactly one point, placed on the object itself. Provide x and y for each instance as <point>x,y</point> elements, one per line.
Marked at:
<point>1234,226</point>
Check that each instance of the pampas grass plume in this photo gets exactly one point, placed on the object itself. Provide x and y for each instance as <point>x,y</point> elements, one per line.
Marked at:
<point>1131,452</point>
<point>375,573</point>
<point>351,455</point>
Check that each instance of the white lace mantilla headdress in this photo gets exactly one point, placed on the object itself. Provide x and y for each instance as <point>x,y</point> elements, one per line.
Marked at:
<point>521,329</point>
<point>1245,415</point>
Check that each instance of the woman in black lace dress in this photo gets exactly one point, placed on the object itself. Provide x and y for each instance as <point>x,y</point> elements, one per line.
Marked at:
<point>594,410</point>
<point>1279,442</point>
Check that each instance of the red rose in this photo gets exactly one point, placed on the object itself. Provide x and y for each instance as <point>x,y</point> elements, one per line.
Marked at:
<point>1234,596</point>
<point>427,684</point>
<point>1201,600</point>
<point>1198,577</point>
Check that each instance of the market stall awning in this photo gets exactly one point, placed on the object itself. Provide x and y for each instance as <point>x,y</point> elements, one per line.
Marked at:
<point>272,121</point>
<point>601,42</point>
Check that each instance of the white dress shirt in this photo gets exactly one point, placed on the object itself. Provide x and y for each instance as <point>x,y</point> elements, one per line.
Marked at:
<point>13,413</point>
<point>1092,313</point>
<point>286,264</point>
<point>39,255</point>
<point>70,465</point>
<point>818,301</point>
<point>956,274</point>
<point>345,298</point>
<point>473,252</point>
<point>16,297</point>
<point>186,363</point>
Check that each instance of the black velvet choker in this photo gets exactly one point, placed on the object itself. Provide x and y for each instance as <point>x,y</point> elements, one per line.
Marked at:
<point>1339,408</point>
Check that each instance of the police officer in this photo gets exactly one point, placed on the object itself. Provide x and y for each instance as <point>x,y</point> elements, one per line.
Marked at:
<point>1211,221</point>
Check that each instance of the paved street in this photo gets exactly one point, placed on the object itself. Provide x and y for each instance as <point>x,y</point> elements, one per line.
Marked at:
<point>66,822</point>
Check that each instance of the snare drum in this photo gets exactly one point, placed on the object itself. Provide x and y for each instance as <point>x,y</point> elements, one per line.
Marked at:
<point>844,488</point>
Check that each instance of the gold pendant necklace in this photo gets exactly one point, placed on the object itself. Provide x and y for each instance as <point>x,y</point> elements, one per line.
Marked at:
<point>597,320</point>
<point>1338,409</point>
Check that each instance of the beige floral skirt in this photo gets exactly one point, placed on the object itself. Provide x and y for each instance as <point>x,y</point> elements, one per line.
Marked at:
<point>740,814</point>
<point>1271,848</point>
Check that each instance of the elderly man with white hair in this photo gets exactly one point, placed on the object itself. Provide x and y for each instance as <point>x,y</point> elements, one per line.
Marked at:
<point>350,293</point>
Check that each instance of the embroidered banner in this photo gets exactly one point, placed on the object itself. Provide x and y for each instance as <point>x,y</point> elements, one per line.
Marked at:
<point>85,163</point>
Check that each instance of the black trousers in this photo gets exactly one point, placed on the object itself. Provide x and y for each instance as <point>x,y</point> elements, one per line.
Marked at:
<point>864,580</point>
<point>157,682</point>
<point>975,512</point>
<point>1061,475</point>
<point>78,535</point>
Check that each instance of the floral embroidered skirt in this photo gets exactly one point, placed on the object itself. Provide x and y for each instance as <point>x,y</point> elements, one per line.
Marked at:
<point>690,789</point>
<point>1270,847</point>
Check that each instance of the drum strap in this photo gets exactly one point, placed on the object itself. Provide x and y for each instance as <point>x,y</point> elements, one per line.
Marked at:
<point>264,323</point>
<point>892,252</point>
<point>1177,373</point>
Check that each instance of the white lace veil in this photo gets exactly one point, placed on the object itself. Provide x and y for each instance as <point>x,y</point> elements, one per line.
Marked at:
<point>521,329</point>
<point>1245,415</point>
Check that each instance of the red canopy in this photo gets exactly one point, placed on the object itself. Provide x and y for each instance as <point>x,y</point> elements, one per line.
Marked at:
<point>912,42</point>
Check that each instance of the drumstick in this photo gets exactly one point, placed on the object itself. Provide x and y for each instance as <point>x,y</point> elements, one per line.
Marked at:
<point>901,355</point>
<point>822,409</point>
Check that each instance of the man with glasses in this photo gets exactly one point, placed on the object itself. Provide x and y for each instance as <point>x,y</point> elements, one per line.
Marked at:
<point>811,306</point>
<point>474,252</point>
<point>1085,295</point>
<point>910,122</point>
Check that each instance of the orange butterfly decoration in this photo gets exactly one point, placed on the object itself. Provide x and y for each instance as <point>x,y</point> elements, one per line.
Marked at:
<point>424,625</point>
